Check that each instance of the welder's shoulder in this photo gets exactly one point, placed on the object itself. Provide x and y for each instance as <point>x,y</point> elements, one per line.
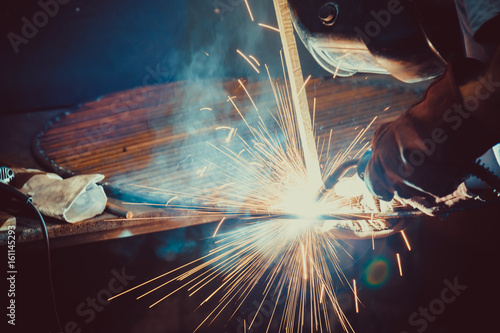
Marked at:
<point>480,12</point>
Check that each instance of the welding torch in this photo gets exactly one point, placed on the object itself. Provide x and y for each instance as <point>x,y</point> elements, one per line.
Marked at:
<point>477,169</point>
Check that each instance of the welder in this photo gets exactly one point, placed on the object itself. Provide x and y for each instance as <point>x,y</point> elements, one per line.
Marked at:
<point>423,155</point>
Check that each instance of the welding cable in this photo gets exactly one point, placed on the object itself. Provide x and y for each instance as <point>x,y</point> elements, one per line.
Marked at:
<point>15,193</point>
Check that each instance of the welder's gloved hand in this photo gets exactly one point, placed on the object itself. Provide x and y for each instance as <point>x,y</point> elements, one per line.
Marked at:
<point>423,155</point>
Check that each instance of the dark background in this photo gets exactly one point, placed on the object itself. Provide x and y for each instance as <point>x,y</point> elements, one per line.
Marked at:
<point>90,48</point>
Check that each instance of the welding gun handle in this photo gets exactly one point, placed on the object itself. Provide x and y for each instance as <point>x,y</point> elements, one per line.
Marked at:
<point>363,162</point>
<point>481,171</point>
<point>339,172</point>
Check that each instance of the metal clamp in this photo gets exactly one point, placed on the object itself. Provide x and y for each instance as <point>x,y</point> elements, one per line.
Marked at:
<point>6,175</point>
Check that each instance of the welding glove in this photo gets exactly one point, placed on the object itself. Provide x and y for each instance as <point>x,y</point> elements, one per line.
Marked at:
<point>423,155</point>
<point>72,200</point>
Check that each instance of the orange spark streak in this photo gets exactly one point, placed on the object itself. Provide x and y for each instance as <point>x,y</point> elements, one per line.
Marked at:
<point>218,226</point>
<point>322,294</point>
<point>303,86</point>
<point>230,135</point>
<point>399,264</point>
<point>406,240</point>
<point>337,69</point>
<point>254,59</point>
<point>248,60</point>
<point>373,238</point>
<point>355,294</point>
<point>176,197</point>
<point>314,114</point>
<point>249,10</point>
<point>304,261</point>
<point>269,27</point>
<point>248,94</point>
<point>209,109</point>
<point>202,171</point>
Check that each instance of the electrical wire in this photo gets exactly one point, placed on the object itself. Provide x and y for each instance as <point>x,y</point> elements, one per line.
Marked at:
<point>28,201</point>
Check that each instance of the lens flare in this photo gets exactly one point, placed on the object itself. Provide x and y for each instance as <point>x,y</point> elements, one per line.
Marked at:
<point>377,272</point>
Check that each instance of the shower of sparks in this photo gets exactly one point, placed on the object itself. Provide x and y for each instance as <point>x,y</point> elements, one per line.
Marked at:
<point>269,27</point>
<point>399,264</point>
<point>355,289</point>
<point>248,60</point>
<point>406,240</point>
<point>249,10</point>
<point>291,259</point>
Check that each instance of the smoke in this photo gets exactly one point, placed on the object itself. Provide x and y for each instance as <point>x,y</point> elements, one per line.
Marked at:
<point>208,74</point>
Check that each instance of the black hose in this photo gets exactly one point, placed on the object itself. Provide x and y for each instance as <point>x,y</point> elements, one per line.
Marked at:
<point>15,193</point>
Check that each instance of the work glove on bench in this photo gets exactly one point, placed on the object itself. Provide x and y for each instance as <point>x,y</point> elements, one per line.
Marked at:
<point>423,155</point>
<point>72,200</point>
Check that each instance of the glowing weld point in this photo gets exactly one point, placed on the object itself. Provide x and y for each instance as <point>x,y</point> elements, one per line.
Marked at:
<point>269,27</point>
<point>218,226</point>
<point>249,10</point>
<point>399,264</point>
<point>355,289</point>
<point>406,240</point>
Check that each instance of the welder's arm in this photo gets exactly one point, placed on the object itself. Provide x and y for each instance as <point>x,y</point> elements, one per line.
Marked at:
<point>424,153</point>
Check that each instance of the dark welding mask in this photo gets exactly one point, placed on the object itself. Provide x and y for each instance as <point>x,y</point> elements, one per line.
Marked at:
<point>409,39</point>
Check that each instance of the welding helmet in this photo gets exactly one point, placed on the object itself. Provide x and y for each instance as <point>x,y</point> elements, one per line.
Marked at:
<point>409,39</point>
